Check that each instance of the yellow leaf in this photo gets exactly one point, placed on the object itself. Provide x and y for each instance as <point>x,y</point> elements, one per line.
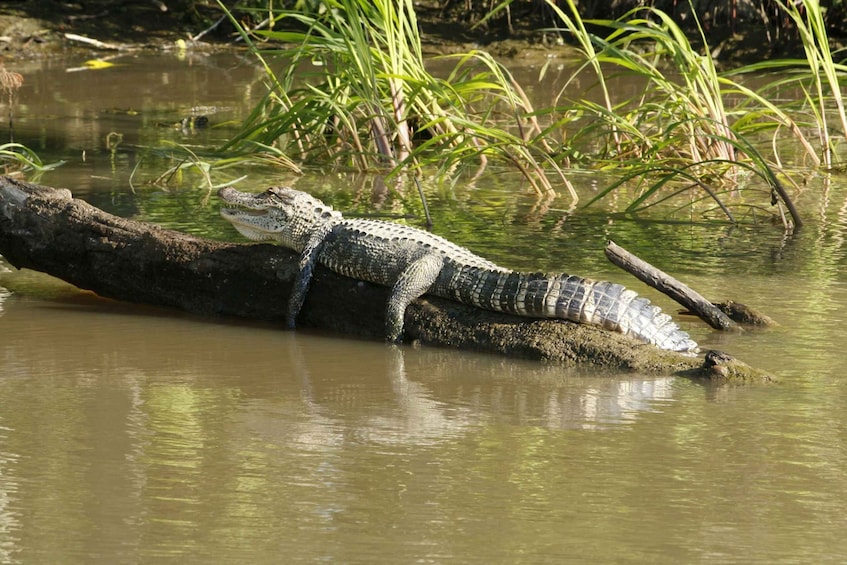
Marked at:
<point>98,64</point>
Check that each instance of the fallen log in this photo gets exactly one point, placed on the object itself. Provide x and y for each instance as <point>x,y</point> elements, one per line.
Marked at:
<point>47,230</point>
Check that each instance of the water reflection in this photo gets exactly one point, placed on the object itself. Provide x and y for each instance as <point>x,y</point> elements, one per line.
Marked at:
<point>160,432</point>
<point>4,295</point>
<point>9,490</point>
<point>140,104</point>
<point>132,431</point>
<point>128,430</point>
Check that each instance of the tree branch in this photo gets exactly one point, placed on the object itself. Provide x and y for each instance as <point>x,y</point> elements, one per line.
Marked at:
<point>665,283</point>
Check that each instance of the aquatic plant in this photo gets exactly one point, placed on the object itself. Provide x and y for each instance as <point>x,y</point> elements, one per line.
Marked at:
<point>198,167</point>
<point>817,77</point>
<point>351,89</point>
<point>15,157</point>
<point>354,91</point>
<point>677,132</point>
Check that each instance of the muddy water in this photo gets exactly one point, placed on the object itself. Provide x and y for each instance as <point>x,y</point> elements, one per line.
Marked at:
<point>131,434</point>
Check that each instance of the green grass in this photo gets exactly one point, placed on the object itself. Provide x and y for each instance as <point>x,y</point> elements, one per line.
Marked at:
<point>678,134</point>
<point>354,91</point>
<point>15,157</point>
<point>348,88</point>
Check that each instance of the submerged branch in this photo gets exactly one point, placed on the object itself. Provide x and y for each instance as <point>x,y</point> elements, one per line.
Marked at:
<point>665,283</point>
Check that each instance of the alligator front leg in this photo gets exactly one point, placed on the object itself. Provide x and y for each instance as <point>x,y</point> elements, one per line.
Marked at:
<point>413,282</point>
<point>308,260</point>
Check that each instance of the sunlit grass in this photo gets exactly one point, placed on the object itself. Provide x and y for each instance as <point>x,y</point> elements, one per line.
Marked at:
<point>678,134</point>
<point>808,18</point>
<point>15,157</point>
<point>354,91</point>
<point>810,88</point>
<point>350,91</point>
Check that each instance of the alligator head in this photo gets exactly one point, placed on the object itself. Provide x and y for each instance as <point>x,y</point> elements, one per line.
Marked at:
<point>280,214</point>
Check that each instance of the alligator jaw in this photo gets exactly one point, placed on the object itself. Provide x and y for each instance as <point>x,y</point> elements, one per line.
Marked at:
<point>249,230</point>
<point>246,216</point>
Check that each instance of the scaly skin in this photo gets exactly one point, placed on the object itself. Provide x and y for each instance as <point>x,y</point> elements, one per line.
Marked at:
<point>414,262</point>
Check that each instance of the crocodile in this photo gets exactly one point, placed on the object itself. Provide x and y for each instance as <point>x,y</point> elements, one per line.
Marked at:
<point>413,262</point>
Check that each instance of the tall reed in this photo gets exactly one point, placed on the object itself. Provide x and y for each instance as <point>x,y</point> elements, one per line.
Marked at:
<point>824,72</point>
<point>681,96</point>
<point>678,128</point>
<point>355,92</point>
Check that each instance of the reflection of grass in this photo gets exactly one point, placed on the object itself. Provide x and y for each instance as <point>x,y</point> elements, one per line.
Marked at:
<point>10,82</point>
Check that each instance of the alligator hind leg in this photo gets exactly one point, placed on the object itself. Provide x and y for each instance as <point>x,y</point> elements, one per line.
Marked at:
<point>412,283</point>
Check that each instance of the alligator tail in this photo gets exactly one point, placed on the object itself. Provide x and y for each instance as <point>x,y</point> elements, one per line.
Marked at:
<point>569,297</point>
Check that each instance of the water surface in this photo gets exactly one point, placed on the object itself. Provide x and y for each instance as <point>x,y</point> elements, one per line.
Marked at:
<point>132,434</point>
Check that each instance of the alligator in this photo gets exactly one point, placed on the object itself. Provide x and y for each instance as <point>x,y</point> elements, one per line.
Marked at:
<point>414,262</point>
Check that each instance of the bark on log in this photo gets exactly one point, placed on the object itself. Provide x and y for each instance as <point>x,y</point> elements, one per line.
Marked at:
<point>45,229</point>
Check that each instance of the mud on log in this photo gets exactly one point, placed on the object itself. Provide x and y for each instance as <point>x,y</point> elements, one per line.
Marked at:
<point>47,230</point>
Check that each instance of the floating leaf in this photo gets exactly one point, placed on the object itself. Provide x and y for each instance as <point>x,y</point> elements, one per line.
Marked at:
<point>97,64</point>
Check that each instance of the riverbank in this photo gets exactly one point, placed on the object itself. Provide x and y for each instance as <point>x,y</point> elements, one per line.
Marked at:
<point>38,28</point>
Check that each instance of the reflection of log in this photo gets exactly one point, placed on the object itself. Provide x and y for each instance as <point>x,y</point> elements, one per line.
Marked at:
<point>45,229</point>
<point>663,282</point>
